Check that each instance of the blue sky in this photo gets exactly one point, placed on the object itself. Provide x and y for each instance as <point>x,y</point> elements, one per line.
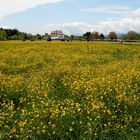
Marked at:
<point>71,16</point>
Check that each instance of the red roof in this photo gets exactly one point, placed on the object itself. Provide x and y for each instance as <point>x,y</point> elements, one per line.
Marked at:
<point>58,32</point>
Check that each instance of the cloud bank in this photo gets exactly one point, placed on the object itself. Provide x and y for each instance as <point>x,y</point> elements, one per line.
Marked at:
<point>120,25</point>
<point>130,20</point>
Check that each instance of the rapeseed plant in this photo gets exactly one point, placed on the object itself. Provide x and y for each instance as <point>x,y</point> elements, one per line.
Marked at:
<point>55,90</point>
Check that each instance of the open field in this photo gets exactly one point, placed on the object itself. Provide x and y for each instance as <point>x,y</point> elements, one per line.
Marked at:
<point>69,90</point>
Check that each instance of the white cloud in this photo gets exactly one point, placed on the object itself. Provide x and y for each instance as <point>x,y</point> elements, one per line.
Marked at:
<point>128,19</point>
<point>136,13</point>
<point>14,6</point>
<point>68,28</point>
<point>108,9</point>
<point>122,25</point>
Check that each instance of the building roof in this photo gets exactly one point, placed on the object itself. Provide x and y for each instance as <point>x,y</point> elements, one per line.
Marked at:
<point>58,32</point>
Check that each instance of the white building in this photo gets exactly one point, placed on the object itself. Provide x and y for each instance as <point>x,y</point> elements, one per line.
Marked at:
<point>57,35</point>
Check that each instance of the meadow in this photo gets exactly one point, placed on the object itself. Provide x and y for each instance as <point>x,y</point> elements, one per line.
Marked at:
<point>69,90</point>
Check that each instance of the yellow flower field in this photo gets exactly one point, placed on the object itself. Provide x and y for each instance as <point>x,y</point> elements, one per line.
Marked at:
<point>69,90</point>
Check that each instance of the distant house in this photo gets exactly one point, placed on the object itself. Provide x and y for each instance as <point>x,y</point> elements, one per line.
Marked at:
<point>57,35</point>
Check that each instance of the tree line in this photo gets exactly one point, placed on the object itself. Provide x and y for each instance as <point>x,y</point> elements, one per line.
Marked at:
<point>131,35</point>
<point>15,34</point>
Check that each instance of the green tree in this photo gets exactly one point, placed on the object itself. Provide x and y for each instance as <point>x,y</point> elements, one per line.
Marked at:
<point>87,36</point>
<point>112,35</point>
<point>14,37</point>
<point>95,35</point>
<point>49,38</point>
<point>39,37</point>
<point>102,36</point>
<point>72,37</point>
<point>3,35</point>
<point>15,32</point>
<point>46,34</point>
<point>132,35</point>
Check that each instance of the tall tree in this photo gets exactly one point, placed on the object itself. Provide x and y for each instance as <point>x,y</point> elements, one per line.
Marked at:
<point>15,32</point>
<point>112,35</point>
<point>95,35</point>
<point>39,37</point>
<point>102,36</point>
<point>3,35</point>
<point>132,35</point>
<point>87,36</point>
<point>72,37</point>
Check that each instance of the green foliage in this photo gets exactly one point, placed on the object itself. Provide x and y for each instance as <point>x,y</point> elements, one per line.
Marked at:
<point>112,35</point>
<point>49,38</point>
<point>14,34</point>
<point>87,36</point>
<point>3,35</point>
<point>95,35</point>
<point>102,36</point>
<point>132,35</point>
